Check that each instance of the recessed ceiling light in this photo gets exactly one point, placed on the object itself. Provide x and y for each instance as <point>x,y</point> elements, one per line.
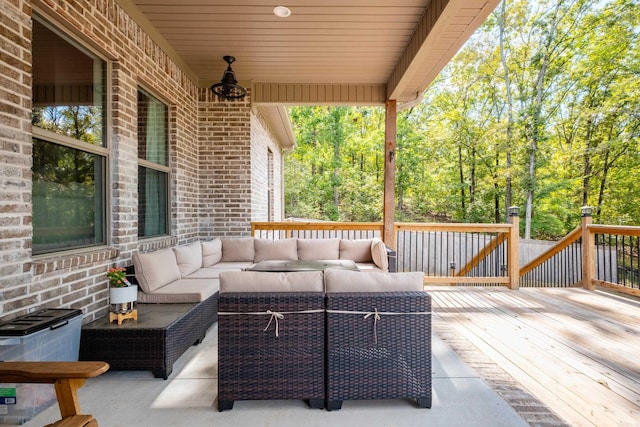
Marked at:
<point>282,11</point>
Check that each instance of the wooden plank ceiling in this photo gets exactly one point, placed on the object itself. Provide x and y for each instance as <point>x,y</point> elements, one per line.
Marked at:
<point>362,45</point>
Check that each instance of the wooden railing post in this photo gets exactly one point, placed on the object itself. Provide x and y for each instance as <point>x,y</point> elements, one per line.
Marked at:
<point>513,261</point>
<point>588,250</point>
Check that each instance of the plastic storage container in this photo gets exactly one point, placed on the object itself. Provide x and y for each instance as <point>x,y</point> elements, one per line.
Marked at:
<point>45,335</point>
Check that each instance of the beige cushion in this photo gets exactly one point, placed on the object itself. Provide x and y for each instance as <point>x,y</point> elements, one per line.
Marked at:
<point>365,266</point>
<point>211,252</point>
<point>214,272</point>
<point>181,291</point>
<point>238,249</point>
<point>337,280</point>
<point>379,254</point>
<point>189,258</point>
<point>155,269</point>
<point>321,249</point>
<point>269,249</point>
<point>258,281</point>
<point>356,250</point>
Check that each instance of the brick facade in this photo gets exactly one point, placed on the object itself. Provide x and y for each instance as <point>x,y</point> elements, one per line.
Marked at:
<point>218,157</point>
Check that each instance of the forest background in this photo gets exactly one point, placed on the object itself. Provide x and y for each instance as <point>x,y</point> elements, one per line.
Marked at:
<point>540,109</point>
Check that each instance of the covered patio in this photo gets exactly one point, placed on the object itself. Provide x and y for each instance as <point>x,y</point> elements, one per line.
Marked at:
<point>501,357</point>
<point>541,356</point>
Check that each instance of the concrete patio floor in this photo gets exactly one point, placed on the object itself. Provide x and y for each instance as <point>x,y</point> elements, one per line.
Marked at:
<point>460,398</point>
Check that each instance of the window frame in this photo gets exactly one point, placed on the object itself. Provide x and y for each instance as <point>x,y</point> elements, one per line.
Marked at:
<point>157,166</point>
<point>103,150</point>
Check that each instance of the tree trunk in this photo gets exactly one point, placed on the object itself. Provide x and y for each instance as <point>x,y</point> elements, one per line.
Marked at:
<point>507,83</point>
<point>536,124</point>
<point>496,192</point>
<point>461,171</point>
<point>472,189</point>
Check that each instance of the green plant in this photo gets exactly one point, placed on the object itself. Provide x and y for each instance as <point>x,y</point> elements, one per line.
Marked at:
<point>117,277</point>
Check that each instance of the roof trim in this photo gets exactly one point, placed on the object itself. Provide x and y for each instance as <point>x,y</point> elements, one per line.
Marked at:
<point>294,94</point>
<point>277,120</point>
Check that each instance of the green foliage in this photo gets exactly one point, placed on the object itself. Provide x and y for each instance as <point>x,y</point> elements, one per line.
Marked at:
<point>574,73</point>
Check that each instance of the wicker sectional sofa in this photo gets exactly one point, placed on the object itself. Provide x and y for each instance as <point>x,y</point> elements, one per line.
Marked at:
<point>178,295</point>
<point>324,337</point>
<point>190,273</point>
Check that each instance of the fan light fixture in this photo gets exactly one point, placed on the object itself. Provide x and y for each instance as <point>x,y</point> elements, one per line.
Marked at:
<point>228,87</point>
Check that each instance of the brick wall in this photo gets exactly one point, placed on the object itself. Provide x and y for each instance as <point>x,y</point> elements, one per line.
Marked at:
<point>15,157</point>
<point>225,166</point>
<point>261,143</point>
<point>214,173</point>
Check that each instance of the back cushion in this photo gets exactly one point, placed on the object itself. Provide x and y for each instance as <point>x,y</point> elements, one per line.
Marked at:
<point>268,249</point>
<point>156,269</point>
<point>189,258</point>
<point>211,252</point>
<point>337,280</point>
<point>238,249</point>
<point>356,250</point>
<point>258,281</point>
<point>379,254</point>
<point>321,249</point>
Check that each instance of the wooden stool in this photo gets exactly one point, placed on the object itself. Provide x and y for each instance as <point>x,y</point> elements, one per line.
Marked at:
<point>133,314</point>
<point>67,378</point>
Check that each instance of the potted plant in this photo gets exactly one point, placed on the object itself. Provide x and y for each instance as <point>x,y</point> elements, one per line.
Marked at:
<point>122,294</point>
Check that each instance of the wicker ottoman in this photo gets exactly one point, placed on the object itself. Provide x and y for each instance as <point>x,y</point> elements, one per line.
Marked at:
<point>285,361</point>
<point>381,356</point>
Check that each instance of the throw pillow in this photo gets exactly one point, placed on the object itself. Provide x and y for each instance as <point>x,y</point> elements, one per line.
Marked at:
<point>379,254</point>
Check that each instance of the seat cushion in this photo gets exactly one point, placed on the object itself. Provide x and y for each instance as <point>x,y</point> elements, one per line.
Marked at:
<point>280,249</point>
<point>320,249</point>
<point>189,258</point>
<point>214,272</point>
<point>156,269</point>
<point>356,250</point>
<point>237,249</point>
<point>337,280</point>
<point>181,291</point>
<point>259,281</point>
<point>211,252</point>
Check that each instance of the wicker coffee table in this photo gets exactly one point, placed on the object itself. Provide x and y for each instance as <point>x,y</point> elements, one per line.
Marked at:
<point>162,333</point>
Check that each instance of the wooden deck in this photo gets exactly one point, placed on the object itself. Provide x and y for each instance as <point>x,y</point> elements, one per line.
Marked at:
<point>576,351</point>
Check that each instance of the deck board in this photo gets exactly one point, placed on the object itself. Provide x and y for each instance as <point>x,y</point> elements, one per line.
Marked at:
<point>577,351</point>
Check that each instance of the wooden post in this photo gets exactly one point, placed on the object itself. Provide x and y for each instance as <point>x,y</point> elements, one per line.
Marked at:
<point>388,215</point>
<point>588,250</point>
<point>513,261</point>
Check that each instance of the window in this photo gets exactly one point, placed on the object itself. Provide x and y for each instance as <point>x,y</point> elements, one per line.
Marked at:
<point>69,154</point>
<point>153,171</point>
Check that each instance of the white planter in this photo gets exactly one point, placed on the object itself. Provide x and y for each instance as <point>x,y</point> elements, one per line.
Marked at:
<point>122,300</point>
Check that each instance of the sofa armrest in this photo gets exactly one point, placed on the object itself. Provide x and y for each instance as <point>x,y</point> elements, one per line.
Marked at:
<point>392,257</point>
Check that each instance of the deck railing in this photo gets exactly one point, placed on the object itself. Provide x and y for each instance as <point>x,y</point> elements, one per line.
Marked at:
<point>446,253</point>
<point>459,253</point>
<point>316,230</point>
<point>591,255</point>
<point>560,266</point>
<point>488,254</point>
<point>615,257</point>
